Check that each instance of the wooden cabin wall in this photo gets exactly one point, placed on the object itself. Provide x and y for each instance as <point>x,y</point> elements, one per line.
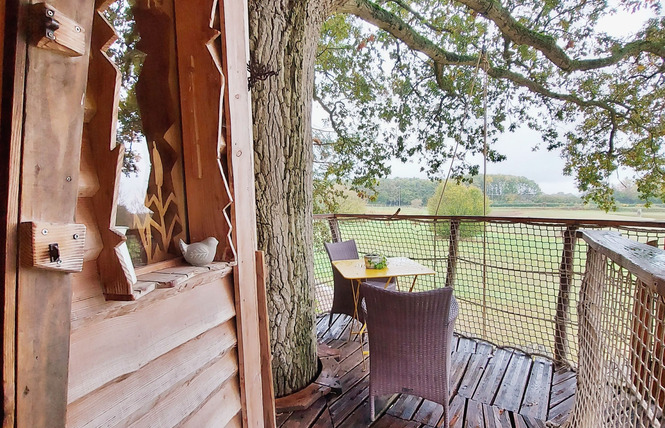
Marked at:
<point>167,359</point>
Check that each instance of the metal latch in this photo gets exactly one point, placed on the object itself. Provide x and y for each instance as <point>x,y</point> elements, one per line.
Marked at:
<point>53,246</point>
<point>51,29</point>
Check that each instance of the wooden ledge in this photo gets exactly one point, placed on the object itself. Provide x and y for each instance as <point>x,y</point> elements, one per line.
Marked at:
<point>179,276</point>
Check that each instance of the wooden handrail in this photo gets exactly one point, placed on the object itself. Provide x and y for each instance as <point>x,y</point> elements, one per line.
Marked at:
<point>643,260</point>
<point>580,223</point>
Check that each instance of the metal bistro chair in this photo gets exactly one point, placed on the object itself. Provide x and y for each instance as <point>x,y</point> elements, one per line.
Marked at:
<point>342,291</point>
<point>410,338</point>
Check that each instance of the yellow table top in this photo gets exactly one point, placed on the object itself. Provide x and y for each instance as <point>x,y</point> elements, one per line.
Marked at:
<point>396,266</point>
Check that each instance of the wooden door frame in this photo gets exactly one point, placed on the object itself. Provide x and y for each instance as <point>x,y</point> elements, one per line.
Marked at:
<point>42,107</point>
<point>13,58</point>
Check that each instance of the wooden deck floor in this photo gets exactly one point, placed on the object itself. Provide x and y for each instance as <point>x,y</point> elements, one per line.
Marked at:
<point>492,387</point>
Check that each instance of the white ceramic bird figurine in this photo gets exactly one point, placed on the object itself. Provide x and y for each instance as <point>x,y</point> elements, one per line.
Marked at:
<point>199,253</point>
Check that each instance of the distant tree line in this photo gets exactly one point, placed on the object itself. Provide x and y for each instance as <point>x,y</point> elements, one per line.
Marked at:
<point>404,191</point>
<point>502,190</point>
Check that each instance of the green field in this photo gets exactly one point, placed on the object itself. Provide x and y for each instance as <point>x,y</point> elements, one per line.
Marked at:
<point>622,213</point>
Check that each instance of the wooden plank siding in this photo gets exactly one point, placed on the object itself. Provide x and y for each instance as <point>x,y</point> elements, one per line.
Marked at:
<point>491,387</point>
<point>166,359</point>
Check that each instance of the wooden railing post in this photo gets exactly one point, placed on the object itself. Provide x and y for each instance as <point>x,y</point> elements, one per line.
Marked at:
<point>334,229</point>
<point>562,308</point>
<point>452,253</point>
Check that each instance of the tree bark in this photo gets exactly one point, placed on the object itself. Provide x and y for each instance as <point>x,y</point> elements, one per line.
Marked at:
<point>283,39</point>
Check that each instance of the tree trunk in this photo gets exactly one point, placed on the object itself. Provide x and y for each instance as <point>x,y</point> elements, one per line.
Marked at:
<point>283,40</point>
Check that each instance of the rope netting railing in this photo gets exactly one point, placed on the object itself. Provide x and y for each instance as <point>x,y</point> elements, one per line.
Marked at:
<point>621,374</point>
<point>517,280</point>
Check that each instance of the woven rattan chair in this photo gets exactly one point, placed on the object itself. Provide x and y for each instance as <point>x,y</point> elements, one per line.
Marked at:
<point>410,338</point>
<point>342,292</point>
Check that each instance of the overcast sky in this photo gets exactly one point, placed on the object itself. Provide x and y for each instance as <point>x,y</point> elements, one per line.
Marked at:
<point>543,167</point>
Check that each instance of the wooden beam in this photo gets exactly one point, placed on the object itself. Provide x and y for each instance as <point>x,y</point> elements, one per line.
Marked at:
<point>451,269</point>
<point>269,417</point>
<point>53,122</point>
<point>14,51</point>
<point>241,160</point>
<point>565,282</point>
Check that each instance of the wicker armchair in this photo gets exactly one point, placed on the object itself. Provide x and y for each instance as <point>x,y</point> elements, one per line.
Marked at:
<point>410,343</point>
<point>342,292</point>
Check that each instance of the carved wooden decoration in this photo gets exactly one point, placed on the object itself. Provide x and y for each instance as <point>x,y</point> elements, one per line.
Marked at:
<point>201,95</point>
<point>157,96</point>
<point>100,134</point>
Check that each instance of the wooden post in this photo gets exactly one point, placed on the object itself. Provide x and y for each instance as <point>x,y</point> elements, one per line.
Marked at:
<point>13,74</point>
<point>563,301</point>
<point>589,376</point>
<point>658,357</point>
<point>235,44</point>
<point>269,418</point>
<point>52,130</point>
<point>334,229</point>
<point>453,246</point>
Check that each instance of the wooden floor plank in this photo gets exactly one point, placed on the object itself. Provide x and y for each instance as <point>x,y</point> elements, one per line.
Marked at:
<point>347,348</point>
<point>484,348</point>
<point>537,396</point>
<point>491,380</point>
<point>466,345</point>
<point>457,409</point>
<point>560,412</point>
<point>405,406</point>
<point>513,385</point>
<point>322,324</point>
<point>324,420</point>
<point>562,374</point>
<point>350,374</point>
<point>458,366</point>
<point>453,343</point>
<point>562,391</point>
<point>473,374</point>
<point>519,421</point>
<point>496,417</point>
<point>533,422</point>
<point>306,418</point>
<point>429,413</point>
<point>341,409</point>
<point>360,417</point>
<point>337,328</point>
<point>282,418</point>
<point>474,415</point>
<point>389,421</point>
